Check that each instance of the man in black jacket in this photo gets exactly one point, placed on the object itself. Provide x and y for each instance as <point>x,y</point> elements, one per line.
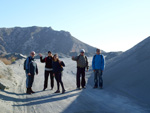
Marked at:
<point>48,69</point>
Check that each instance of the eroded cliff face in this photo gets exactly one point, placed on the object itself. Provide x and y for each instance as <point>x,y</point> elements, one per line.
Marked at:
<point>39,39</point>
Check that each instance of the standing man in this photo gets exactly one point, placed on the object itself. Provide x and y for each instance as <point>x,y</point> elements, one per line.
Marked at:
<point>48,69</point>
<point>98,68</point>
<point>82,63</point>
<point>31,70</point>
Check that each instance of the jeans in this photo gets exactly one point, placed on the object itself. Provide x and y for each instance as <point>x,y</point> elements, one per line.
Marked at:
<point>46,79</point>
<point>98,78</point>
<point>80,71</point>
<point>29,80</point>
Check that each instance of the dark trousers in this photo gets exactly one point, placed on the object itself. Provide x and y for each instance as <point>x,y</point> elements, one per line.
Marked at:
<point>29,80</point>
<point>80,72</point>
<point>58,77</point>
<point>98,78</point>
<point>47,73</point>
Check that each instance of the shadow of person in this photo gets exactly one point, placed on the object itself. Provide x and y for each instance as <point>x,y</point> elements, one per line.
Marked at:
<point>46,99</point>
<point>27,99</point>
<point>13,93</point>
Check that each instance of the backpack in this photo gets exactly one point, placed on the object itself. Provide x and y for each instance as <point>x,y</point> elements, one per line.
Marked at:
<point>25,62</point>
<point>85,58</point>
<point>45,59</point>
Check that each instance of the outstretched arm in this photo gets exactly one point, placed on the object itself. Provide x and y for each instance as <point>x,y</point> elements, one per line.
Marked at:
<point>41,59</point>
<point>75,58</point>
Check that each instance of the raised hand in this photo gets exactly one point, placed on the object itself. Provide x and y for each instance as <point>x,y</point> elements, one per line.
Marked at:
<point>40,54</point>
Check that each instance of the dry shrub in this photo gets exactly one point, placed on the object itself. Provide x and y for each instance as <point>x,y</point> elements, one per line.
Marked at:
<point>6,61</point>
<point>1,76</point>
<point>13,59</point>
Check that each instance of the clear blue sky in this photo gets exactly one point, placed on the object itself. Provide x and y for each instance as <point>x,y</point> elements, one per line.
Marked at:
<point>112,25</point>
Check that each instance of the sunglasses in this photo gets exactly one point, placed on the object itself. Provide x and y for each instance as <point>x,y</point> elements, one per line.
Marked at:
<point>32,53</point>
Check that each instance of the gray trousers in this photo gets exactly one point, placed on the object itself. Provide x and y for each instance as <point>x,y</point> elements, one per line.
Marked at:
<point>98,78</point>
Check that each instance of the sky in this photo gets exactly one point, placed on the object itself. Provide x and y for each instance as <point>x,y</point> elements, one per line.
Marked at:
<point>111,25</point>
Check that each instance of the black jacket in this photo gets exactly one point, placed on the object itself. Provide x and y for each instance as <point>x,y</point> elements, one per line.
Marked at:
<point>48,61</point>
<point>57,67</point>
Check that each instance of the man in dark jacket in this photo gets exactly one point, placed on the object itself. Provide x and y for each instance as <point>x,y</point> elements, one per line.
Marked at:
<point>48,69</point>
<point>82,63</point>
<point>31,70</point>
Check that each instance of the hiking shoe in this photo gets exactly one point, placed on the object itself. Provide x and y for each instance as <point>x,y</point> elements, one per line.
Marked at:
<point>101,87</point>
<point>57,91</point>
<point>84,87</point>
<point>78,88</point>
<point>28,91</point>
<point>94,87</point>
<point>63,91</point>
<point>31,90</point>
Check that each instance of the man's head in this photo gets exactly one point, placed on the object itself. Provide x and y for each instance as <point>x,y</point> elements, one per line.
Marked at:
<point>32,54</point>
<point>82,51</point>
<point>98,51</point>
<point>49,53</point>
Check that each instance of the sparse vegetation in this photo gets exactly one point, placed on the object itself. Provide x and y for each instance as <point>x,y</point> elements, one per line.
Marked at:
<point>9,60</point>
<point>6,61</point>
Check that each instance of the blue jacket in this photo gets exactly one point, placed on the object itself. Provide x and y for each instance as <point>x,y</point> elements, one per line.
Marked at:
<point>98,62</point>
<point>31,66</point>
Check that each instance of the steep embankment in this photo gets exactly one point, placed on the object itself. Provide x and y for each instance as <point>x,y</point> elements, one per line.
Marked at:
<point>129,73</point>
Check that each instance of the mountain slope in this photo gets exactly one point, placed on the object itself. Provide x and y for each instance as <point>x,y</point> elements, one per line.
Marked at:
<point>39,39</point>
<point>130,72</point>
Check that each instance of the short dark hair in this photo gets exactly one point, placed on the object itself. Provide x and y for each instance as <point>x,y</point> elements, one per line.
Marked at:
<point>49,51</point>
<point>98,50</point>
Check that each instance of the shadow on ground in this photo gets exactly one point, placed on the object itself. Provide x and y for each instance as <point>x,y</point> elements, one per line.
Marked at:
<point>35,100</point>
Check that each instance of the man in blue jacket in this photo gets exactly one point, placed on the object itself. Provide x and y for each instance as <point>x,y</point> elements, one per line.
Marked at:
<point>31,70</point>
<point>98,68</point>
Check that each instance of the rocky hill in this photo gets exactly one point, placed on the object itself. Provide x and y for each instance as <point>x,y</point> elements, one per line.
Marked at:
<point>39,39</point>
